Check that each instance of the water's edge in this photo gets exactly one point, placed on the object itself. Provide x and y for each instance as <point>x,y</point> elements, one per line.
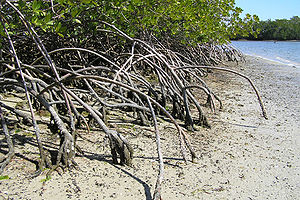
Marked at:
<point>276,61</point>
<point>284,53</point>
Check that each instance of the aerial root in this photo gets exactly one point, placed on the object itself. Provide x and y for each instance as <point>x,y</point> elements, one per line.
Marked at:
<point>78,84</point>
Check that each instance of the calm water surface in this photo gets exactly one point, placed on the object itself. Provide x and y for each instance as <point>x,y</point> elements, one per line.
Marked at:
<point>283,52</point>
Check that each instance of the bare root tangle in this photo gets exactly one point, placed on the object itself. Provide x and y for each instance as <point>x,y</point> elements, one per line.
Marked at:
<point>264,112</point>
<point>81,82</point>
<point>43,160</point>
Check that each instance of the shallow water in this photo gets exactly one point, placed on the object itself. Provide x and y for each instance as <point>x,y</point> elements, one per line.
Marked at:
<point>282,52</point>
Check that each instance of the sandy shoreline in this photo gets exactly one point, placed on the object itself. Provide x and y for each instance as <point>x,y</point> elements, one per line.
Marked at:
<point>242,156</point>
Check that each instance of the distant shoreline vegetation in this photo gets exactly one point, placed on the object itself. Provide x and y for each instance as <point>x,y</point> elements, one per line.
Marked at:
<point>277,30</point>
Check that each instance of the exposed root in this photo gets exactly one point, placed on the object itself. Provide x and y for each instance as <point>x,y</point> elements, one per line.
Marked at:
<point>76,84</point>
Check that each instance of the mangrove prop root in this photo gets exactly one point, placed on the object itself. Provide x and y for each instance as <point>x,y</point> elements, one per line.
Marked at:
<point>75,84</point>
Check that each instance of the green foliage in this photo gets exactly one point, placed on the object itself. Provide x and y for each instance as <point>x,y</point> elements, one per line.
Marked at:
<point>4,177</point>
<point>280,29</point>
<point>186,21</point>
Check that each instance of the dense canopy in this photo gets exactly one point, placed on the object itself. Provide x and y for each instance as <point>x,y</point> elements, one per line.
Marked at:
<point>188,21</point>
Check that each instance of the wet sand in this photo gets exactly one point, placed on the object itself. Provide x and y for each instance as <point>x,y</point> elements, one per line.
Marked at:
<point>243,156</point>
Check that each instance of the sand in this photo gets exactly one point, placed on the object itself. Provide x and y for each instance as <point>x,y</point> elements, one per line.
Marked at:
<point>243,156</point>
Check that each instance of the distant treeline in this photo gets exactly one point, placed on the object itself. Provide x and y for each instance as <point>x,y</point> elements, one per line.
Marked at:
<point>280,29</point>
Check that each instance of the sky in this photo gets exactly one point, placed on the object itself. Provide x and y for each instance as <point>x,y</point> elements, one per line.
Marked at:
<point>270,9</point>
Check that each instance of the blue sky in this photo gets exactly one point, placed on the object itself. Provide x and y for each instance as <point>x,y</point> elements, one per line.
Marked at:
<point>270,9</point>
